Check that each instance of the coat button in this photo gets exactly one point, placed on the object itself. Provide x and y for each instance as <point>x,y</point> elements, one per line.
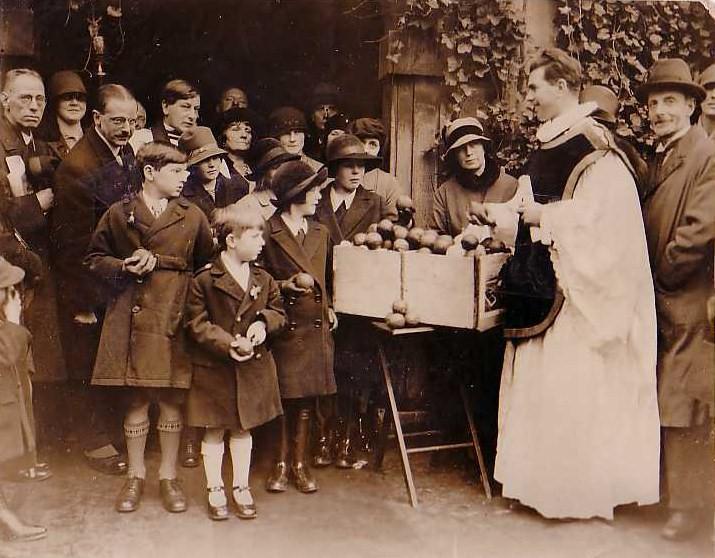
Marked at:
<point>318,299</point>
<point>238,318</point>
<point>136,309</point>
<point>318,323</point>
<point>292,326</point>
<point>258,356</point>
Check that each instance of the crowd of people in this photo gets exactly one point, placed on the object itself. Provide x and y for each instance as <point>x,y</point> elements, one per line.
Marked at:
<point>189,267</point>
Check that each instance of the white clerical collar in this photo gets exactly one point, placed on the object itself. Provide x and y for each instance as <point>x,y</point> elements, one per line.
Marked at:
<point>563,122</point>
<point>113,149</point>
<point>239,272</point>
<point>672,139</point>
<point>336,198</point>
<point>294,226</point>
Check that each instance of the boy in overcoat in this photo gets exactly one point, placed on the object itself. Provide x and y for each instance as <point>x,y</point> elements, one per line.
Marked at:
<point>146,249</point>
<point>346,209</point>
<point>234,388</point>
<point>297,254</point>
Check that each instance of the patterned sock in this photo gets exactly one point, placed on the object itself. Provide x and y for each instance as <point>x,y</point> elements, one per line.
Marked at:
<point>169,440</point>
<point>135,435</point>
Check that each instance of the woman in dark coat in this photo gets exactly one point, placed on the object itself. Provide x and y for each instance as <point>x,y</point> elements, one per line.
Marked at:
<point>17,428</point>
<point>296,246</point>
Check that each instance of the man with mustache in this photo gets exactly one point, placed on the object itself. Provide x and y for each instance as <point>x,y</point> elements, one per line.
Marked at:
<point>679,215</point>
<point>99,171</point>
<point>180,104</point>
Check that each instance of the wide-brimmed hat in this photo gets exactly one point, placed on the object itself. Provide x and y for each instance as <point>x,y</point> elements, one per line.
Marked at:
<point>238,114</point>
<point>293,178</point>
<point>348,148</point>
<point>365,128</point>
<point>269,152</point>
<point>284,120</point>
<point>462,131</point>
<point>606,100</point>
<point>199,144</point>
<point>10,274</point>
<point>65,81</point>
<point>708,76</point>
<point>670,74</point>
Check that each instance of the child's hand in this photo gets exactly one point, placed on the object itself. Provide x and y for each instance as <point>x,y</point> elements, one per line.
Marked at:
<point>241,349</point>
<point>141,262</point>
<point>256,333</point>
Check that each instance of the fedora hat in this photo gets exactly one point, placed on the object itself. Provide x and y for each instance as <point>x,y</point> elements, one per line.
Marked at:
<point>348,148</point>
<point>670,74</point>
<point>708,76</point>
<point>268,153</point>
<point>365,128</point>
<point>293,178</point>
<point>65,81</point>
<point>10,274</point>
<point>199,144</point>
<point>462,131</point>
<point>606,100</point>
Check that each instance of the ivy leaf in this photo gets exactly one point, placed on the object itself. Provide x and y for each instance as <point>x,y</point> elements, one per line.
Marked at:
<point>453,63</point>
<point>565,9</point>
<point>447,41</point>
<point>433,4</point>
<point>481,40</point>
<point>603,34</point>
<point>655,39</point>
<point>568,29</point>
<point>467,89</point>
<point>463,48</point>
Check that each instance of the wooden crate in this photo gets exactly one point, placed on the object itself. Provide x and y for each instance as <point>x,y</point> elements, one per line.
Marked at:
<point>447,291</point>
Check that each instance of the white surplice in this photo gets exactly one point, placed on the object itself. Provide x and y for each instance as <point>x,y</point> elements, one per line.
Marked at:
<point>579,431</point>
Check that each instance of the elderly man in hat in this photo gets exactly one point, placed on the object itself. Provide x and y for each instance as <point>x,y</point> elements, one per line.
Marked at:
<point>679,214</point>
<point>288,125</point>
<point>180,104</point>
<point>607,114</point>
<point>578,416</point>
<point>707,106</point>
<point>62,124</point>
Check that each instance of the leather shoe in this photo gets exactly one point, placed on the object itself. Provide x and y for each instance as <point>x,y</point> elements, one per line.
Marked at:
<point>130,495</point>
<point>323,457</point>
<point>302,478</point>
<point>244,511</point>
<point>278,479</point>
<point>217,513</point>
<point>113,465</point>
<point>190,456</point>
<point>681,525</point>
<point>40,472</point>
<point>172,495</point>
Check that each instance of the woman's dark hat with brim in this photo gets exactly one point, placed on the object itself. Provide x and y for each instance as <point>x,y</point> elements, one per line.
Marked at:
<point>199,144</point>
<point>670,74</point>
<point>462,131</point>
<point>269,152</point>
<point>348,148</point>
<point>10,274</point>
<point>708,76</point>
<point>235,115</point>
<point>606,100</point>
<point>293,178</point>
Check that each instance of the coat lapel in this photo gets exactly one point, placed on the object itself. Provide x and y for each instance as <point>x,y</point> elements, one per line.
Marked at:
<point>324,214</point>
<point>675,159</point>
<point>354,216</point>
<point>173,213</point>
<point>224,282</point>
<point>285,239</point>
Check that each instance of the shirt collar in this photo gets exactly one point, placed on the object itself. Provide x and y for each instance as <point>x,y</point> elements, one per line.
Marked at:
<point>26,137</point>
<point>156,207</point>
<point>239,272</point>
<point>556,126</point>
<point>337,198</point>
<point>293,226</point>
<point>73,131</point>
<point>671,140</point>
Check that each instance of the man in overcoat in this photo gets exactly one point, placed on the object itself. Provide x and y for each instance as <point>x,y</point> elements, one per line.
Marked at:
<point>679,213</point>
<point>99,171</point>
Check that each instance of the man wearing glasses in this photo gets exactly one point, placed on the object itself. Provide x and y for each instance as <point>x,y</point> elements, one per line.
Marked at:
<point>99,171</point>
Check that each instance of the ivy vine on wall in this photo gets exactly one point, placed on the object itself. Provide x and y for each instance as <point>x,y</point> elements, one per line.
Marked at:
<point>482,43</point>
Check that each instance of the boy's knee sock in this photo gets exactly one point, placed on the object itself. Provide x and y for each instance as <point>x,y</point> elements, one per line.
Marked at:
<point>169,439</point>
<point>240,445</point>
<point>136,435</point>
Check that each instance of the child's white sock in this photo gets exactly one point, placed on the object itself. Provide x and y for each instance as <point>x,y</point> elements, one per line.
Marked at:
<point>240,445</point>
<point>213,458</point>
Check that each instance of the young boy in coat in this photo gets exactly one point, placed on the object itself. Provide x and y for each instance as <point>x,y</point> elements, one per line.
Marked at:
<point>297,254</point>
<point>346,209</point>
<point>232,307</point>
<point>146,249</point>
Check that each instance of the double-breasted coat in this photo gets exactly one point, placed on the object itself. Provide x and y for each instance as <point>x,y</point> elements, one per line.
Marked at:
<point>365,209</point>
<point>679,214</point>
<point>23,216</point>
<point>228,191</point>
<point>143,341</point>
<point>225,393</point>
<point>17,426</point>
<point>304,351</point>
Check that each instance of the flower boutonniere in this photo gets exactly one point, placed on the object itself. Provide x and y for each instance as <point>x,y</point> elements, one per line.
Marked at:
<point>255,291</point>
<point>131,220</point>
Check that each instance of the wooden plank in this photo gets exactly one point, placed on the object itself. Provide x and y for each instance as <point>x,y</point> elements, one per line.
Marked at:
<point>427,92</point>
<point>403,129</point>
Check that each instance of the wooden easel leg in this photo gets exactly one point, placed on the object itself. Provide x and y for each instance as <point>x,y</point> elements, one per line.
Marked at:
<point>406,470</point>
<point>475,442</point>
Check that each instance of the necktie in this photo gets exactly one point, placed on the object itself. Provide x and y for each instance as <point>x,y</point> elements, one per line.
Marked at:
<point>300,237</point>
<point>173,136</point>
<point>341,211</point>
